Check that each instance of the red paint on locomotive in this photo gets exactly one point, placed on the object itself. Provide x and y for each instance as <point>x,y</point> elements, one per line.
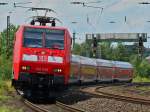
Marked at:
<point>41,59</point>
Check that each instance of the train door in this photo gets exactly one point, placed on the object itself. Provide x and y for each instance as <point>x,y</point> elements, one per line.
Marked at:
<point>88,69</point>
<point>123,71</point>
<point>75,69</point>
<point>105,70</point>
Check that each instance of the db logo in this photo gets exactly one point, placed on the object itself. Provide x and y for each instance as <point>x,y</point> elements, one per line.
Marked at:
<point>42,58</point>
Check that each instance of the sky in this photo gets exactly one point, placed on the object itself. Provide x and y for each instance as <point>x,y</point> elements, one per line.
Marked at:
<point>88,20</point>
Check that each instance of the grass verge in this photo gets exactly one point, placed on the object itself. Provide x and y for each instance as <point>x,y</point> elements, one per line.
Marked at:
<point>141,79</point>
<point>9,109</point>
<point>6,98</point>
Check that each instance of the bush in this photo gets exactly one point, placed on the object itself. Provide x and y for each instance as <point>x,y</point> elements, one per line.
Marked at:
<point>144,69</point>
<point>5,68</point>
<point>141,79</point>
<point>141,66</point>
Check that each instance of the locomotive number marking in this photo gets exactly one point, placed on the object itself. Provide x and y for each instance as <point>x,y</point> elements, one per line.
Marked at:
<point>42,58</point>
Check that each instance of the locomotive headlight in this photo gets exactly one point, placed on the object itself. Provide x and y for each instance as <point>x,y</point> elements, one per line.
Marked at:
<point>57,70</point>
<point>23,67</point>
<point>26,67</point>
<point>27,57</point>
<point>55,59</point>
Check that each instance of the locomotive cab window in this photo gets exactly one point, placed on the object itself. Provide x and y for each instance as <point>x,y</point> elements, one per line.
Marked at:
<point>43,38</point>
<point>32,38</point>
<point>54,40</point>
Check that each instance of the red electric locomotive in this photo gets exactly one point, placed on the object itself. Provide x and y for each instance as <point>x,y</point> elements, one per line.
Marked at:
<point>41,59</point>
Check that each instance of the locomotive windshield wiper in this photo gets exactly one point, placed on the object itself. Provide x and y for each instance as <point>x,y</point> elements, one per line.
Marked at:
<point>33,46</point>
<point>55,48</point>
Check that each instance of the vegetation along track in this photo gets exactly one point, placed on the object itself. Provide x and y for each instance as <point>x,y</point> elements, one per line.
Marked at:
<point>100,93</point>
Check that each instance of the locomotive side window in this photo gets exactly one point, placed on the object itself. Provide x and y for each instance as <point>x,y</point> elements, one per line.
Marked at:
<point>33,39</point>
<point>54,40</point>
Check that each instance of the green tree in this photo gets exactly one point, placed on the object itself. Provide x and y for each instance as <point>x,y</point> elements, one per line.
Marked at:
<point>0,44</point>
<point>106,50</point>
<point>6,55</point>
<point>86,50</point>
<point>5,48</point>
<point>77,49</point>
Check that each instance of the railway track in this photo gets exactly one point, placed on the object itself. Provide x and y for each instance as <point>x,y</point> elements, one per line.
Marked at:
<point>58,106</point>
<point>35,107</point>
<point>124,98</point>
<point>98,92</point>
<point>68,108</point>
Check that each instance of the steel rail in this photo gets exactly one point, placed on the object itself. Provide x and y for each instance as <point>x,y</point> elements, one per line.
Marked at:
<point>99,93</point>
<point>96,91</point>
<point>58,104</point>
<point>121,97</point>
<point>35,107</point>
<point>68,108</point>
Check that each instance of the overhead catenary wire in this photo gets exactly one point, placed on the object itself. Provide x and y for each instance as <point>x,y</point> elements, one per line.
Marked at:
<point>93,2</point>
<point>23,2</point>
<point>84,5</point>
<point>3,3</point>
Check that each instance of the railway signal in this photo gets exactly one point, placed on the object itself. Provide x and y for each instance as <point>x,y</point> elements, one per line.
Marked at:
<point>94,42</point>
<point>141,46</point>
<point>74,34</point>
<point>140,42</point>
<point>94,46</point>
<point>74,38</point>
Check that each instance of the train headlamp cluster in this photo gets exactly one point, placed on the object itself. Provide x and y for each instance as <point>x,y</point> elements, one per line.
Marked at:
<point>57,70</point>
<point>26,67</point>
